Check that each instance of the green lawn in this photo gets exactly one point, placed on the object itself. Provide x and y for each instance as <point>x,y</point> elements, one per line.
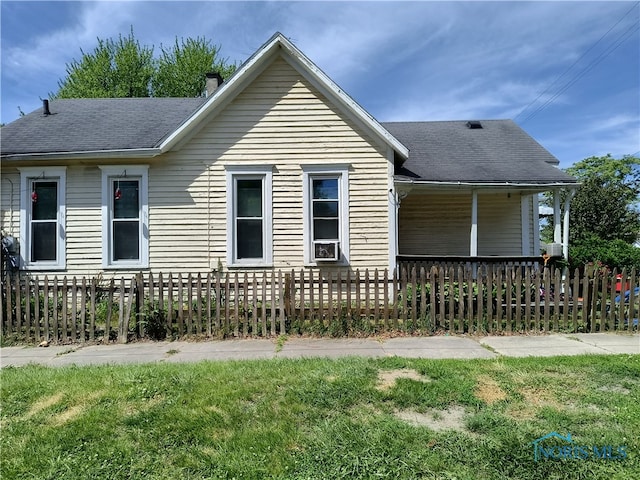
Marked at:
<point>322,419</point>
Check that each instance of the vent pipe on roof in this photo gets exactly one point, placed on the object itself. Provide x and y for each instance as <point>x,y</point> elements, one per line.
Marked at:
<point>45,107</point>
<point>473,124</point>
<point>214,80</point>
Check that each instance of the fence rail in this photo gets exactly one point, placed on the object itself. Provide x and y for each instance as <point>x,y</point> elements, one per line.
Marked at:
<point>485,299</point>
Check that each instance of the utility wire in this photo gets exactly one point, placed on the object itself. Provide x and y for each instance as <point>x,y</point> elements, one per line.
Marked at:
<point>572,65</point>
<point>630,31</point>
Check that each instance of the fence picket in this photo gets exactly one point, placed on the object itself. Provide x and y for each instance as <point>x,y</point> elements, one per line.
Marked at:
<point>199,304</point>
<point>263,310</point>
<point>281,303</point>
<point>27,309</point>
<point>634,308</point>
<point>461,298</point>
<point>36,310</point>
<point>45,309</point>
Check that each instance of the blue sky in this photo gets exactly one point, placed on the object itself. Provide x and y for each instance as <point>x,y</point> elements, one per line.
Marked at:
<point>567,72</point>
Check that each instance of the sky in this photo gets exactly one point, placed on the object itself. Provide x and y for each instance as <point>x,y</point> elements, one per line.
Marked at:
<point>566,72</point>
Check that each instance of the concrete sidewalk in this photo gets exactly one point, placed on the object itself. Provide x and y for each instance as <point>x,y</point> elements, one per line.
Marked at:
<point>463,347</point>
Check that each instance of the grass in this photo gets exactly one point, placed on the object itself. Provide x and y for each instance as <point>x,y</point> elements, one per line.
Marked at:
<point>320,419</point>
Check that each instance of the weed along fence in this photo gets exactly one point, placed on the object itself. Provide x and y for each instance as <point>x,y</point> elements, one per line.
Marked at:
<point>487,299</point>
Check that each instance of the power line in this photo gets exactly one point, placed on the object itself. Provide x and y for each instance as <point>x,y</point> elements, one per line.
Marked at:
<point>579,75</point>
<point>584,71</point>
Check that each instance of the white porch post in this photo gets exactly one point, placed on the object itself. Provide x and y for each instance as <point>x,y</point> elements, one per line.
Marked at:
<point>557,235</point>
<point>565,229</point>
<point>536,224</point>
<point>473,241</point>
<point>393,206</point>
<point>525,210</point>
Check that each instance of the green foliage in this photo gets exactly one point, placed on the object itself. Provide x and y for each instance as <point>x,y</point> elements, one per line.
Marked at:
<point>604,209</point>
<point>612,253</point>
<point>124,68</point>
<point>181,70</point>
<point>611,171</point>
<point>116,68</point>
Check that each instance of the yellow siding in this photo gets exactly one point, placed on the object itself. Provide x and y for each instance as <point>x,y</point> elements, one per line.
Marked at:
<point>435,224</point>
<point>10,202</point>
<point>499,224</point>
<point>84,221</point>
<point>282,120</point>
<point>440,224</point>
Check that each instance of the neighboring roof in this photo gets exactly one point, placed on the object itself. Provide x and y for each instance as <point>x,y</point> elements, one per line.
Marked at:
<point>498,153</point>
<point>151,126</point>
<point>97,124</point>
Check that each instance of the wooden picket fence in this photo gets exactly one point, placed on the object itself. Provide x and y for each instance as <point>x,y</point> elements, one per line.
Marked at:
<point>479,300</point>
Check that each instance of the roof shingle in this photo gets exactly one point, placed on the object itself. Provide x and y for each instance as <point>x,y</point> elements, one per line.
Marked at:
<point>97,124</point>
<point>450,151</point>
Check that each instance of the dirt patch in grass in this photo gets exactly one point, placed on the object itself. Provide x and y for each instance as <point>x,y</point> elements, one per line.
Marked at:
<point>387,378</point>
<point>75,411</point>
<point>488,390</point>
<point>534,398</point>
<point>43,404</point>
<point>440,420</point>
<point>615,389</point>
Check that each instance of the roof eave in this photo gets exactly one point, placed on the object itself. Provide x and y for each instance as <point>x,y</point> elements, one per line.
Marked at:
<point>481,185</point>
<point>85,155</point>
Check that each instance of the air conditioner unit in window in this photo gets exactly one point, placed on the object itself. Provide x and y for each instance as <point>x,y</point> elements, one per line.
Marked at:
<point>326,251</point>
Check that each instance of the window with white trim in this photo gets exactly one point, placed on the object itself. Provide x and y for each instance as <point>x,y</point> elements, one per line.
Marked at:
<point>125,238</point>
<point>42,217</point>
<point>249,215</point>
<point>326,213</point>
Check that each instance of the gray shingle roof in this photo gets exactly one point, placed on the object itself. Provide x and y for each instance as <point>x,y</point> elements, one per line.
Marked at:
<point>500,152</point>
<point>84,125</point>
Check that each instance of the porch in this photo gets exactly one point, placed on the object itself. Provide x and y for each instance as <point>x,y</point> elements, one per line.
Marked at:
<point>472,224</point>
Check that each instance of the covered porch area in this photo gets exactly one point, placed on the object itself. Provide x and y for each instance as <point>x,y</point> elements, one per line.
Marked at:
<point>451,225</point>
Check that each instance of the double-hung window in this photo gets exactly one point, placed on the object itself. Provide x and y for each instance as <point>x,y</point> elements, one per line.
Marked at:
<point>249,210</point>
<point>42,217</point>
<point>326,213</point>
<point>125,239</point>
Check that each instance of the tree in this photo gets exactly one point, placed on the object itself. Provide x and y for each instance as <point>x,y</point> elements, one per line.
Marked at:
<point>124,68</point>
<point>604,217</point>
<point>605,205</point>
<point>119,68</point>
<point>181,70</point>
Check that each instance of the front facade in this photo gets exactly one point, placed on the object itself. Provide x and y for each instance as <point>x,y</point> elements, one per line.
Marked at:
<point>277,169</point>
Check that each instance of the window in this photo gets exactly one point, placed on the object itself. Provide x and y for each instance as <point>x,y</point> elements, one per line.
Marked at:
<point>326,206</point>
<point>42,212</point>
<point>249,231</point>
<point>125,239</point>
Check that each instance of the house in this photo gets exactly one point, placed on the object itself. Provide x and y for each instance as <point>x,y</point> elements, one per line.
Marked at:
<point>277,168</point>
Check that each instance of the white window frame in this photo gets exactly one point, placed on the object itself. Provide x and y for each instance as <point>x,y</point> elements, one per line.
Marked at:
<point>28,175</point>
<point>248,172</point>
<point>341,172</point>
<point>125,172</point>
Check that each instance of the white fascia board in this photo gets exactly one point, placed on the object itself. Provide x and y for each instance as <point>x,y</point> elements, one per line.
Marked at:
<point>542,187</point>
<point>86,155</point>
